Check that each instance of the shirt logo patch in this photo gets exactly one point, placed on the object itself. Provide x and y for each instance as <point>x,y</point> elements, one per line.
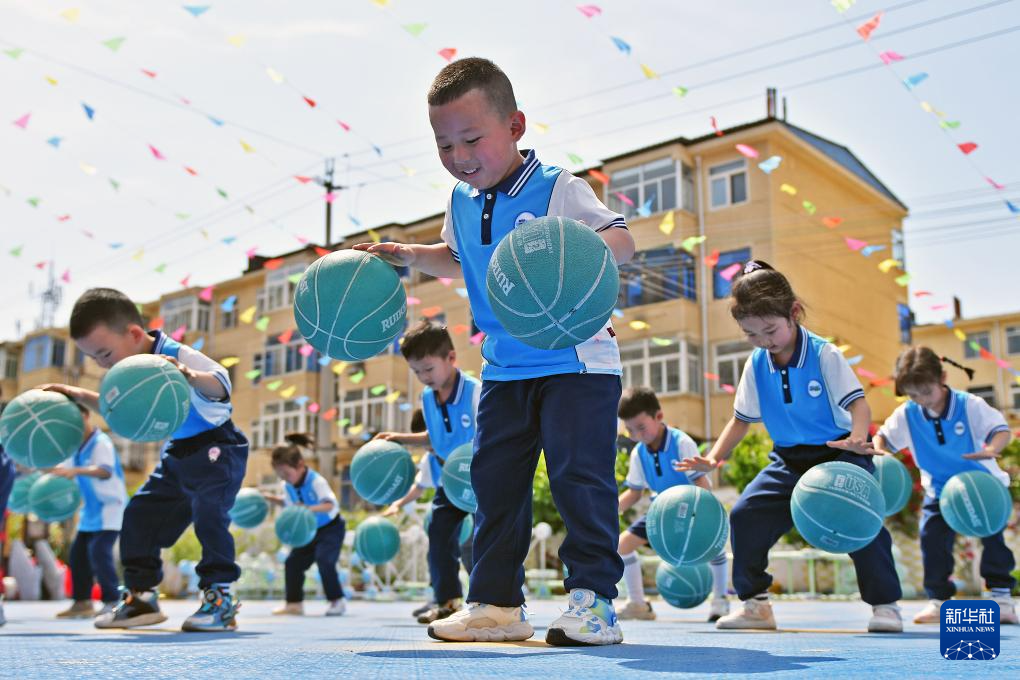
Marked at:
<point>523,217</point>
<point>465,420</point>
<point>959,429</point>
<point>214,454</point>
<point>814,388</point>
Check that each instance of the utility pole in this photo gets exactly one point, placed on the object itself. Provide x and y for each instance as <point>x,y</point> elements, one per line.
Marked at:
<point>326,182</point>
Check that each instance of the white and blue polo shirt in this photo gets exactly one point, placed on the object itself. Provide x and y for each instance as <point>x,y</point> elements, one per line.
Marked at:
<point>312,490</point>
<point>804,402</point>
<point>654,469</point>
<point>449,424</point>
<point>476,221</point>
<point>939,440</point>
<point>205,413</point>
<point>104,500</point>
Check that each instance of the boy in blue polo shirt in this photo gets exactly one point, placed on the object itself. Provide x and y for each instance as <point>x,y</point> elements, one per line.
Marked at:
<point>449,406</point>
<point>562,402</point>
<point>200,472</point>
<point>100,477</point>
<point>651,467</point>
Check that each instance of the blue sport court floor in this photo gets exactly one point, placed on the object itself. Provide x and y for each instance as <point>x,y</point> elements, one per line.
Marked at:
<point>380,640</point>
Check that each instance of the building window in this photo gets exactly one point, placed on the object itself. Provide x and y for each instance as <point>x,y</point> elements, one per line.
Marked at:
<point>278,419</point>
<point>898,251</point>
<point>728,183</point>
<point>9,365</point>
<point>651,186</point>
<point>185,312</point>
<point>279,289</point>
<point>730,358</point>
<point>660,364</point>
<point>720,286</point>
<point>373,413</point>
<point>43,351</point>
<point>986,392</point>
<point>1012,339</point>
<point>975,343</point>
<point>228,319</point>
<point>657,275</point>
<point>906,318</point>
<point>688,192</point>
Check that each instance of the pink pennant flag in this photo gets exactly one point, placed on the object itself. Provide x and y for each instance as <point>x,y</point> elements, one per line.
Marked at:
<point>42,265</point>
<point>178,334</point>
<point>730,271</point>
<point>477,338</point>
<point>967,147</point>
<point>191,171</point>
<point>206,294</point>
<point>345,126</point>
<point>303,179</point>
<point>66,276</point>
<point>936,308</point>
<point>250,253</point>
<point>63,218</point>
<point>854,244</point>
<point>728,389</point>
<point>890,56</point>
<point>313,407</point>
<point>748,151</point>
<point>412,301</point>
<point>865,29</point>
<point>715,126</point>
<point>448,53</point>
<point>445,281</point>
<point>589,11</point>
<point>1002,363</point>
<point>329,197</point>
<point>151,74</point>
<point>995,184</point>
<point>923,293</point>
<point>623,197</point>
<point>23,121</point>
<point>865,373</point>
<point>156,153</point>
<point>185,281</point>
<point>306,350</point>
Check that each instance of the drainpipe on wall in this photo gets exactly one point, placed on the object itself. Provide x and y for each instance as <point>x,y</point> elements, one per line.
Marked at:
<point>704,302</point>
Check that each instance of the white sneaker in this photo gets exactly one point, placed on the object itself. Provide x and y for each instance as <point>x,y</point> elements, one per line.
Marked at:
<point>931,612</point>
<point>719,608</point>
<point>589,620</point>
<point>1007,611</point>
<point>2,619</point>
<point>337,608</point>
<point>637,610</point>
<point>290,609</point>
<point>885,618</point>
<point>483,623</point>
<point>755,615</point>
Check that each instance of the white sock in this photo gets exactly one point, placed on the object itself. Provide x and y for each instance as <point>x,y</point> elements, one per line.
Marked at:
<point>720,576</point>
<point>632,577</point>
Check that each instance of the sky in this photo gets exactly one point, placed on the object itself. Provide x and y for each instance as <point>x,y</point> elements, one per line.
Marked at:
<point>197,122</point>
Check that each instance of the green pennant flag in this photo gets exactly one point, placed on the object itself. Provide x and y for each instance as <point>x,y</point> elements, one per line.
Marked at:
<point>115,184</point>
<point>415,29</point>
<point>377,390</point>
<point>252,374</point>
<point>680,91</point>
<point>14,53</point>
<point>16,252</point>
<point>575,159</point>
<point>114,43</point>
<point>160,268</point>
<point>34,201</point>
<point>221,192</point>
<point>262,324</point>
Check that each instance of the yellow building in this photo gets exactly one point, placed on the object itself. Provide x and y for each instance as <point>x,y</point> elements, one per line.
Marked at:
<point>675,326</point>
<point>999,338</point>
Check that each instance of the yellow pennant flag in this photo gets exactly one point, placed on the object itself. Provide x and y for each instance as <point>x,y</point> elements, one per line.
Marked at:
<point>960,335</point>
<point>639,325</point>
<point>237,40</point>
<point>288,392</point>
<point>227,362</point>
<point>339,367</point>
<point>374,235</point>
<point>355,429</point>
<point>843,348</point>
<point>86,168</point>
<point>248,148</point>
<point>885,265</point>
<point>71,14</point>
<point>392,397</point>
<point>51,80</point>
<point>248,315</point>
<point>540,128</point>
<point>788,189</point>
<point>137,257</point>
<point>274,75</point>
<point>668,223</point>
<point>649,73</point>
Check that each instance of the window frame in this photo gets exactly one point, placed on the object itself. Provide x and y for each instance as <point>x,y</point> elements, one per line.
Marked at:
<point>727,171</point>
<point>735,354</point>
<point>641,184</point>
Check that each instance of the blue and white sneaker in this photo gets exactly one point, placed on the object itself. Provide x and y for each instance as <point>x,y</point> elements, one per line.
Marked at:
<point>217,614</point>
<point>589,620</point>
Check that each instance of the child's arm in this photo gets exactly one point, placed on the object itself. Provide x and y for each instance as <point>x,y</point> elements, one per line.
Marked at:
<point>734,431</point>
<point>84,397</point>
<point>90,471</point>
<point>880,445</point>
<point>435,259</point>
<point>993,449</point>
<point>857,442</point>
<point>272,498</point>
<point>204,382</point>
<point>620,243</point>
<point>409,497</point>
<point>628,498</point>
<point>324,506</point>
<point>405,438</point>
<point>704,482</point>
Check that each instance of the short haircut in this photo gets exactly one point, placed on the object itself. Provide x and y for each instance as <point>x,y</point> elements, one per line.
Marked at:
<point>638,400</point>
<point>426,339</point>
<point>418,421</point>
<point>462,76</point>
<point>103,306</point>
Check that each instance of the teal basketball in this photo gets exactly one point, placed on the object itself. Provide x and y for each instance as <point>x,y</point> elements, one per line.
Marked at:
<point>54,499</point>
<point>552,283</point>
<point>684,587</point>
<point>975,503</point>
<point>382,471</point>
<point>687,525</point>
<point>41,429</point>
<point>296,526</point>
<point>144,398</point>
<point>250,509</point>
<point>838,507</point>
<point>896,483</point>
<point>457,478</point>
<point>350,305</point>
<point>377,540</point>
<point>18,501</point>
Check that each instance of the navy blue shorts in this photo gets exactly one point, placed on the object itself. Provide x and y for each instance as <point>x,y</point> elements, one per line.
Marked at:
<point>638,528</point>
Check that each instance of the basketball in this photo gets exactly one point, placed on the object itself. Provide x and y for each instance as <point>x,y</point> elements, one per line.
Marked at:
<point>382,471</point>
<point>377,540</point>
<point>894,479</point>
<point>467,530</point>
<point>975,503</point>
<point>144,398</point>
<point>41,429</point>
<point>296,526</point>
<point>687,525</point>
<point>350,305</point>
<point>684,587</point>
<point>457,478</point>
<point>838,507</point>
<point>250,509</point>
<point>18,501</point>
<point>552,283</point>
<point>54,499</point>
